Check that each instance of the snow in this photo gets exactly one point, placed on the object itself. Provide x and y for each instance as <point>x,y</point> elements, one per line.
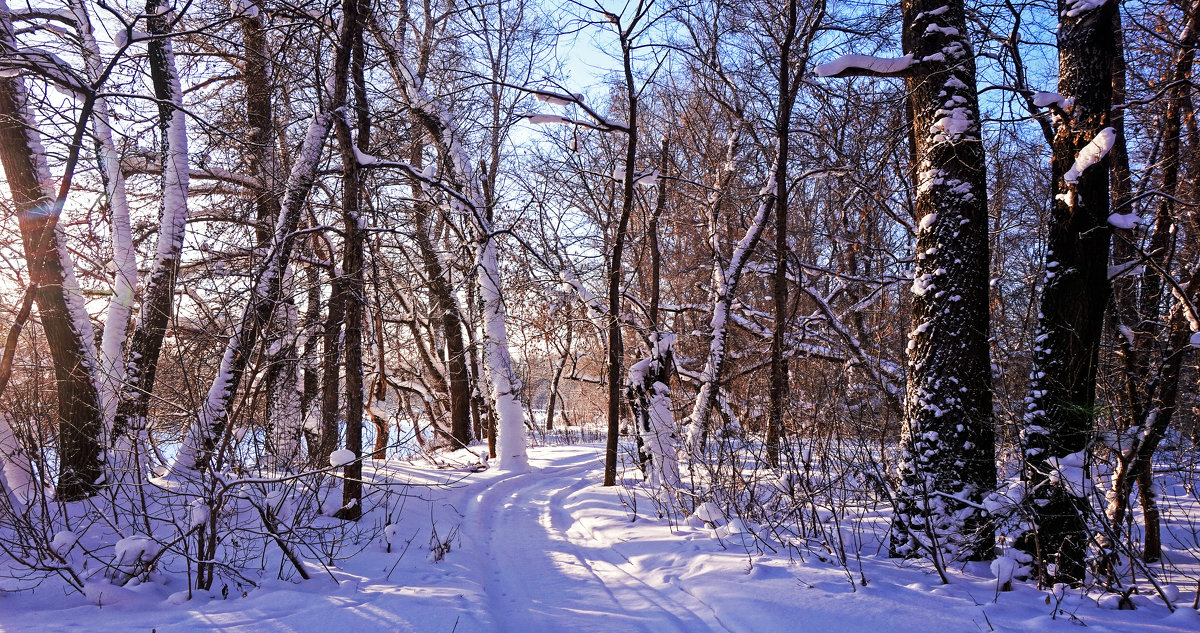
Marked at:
<point>16,471</point>
<point>364,158</point>
<point>547,119</point>
<point>1046,99</point>
<point>341,457</point>
<point>244,8</point>
<point>1070,473</point>
<point>134,549</point>
<point>951,125</point>
<point>551,550</point>
<point>1092,153</point>
<point>709,513</point>
<point>123,37</point>
<point>1076,7</point>
<point>551,99</point>
<point>1125,220</point>
<point>63,541</point>
<point>877,65</point>
<point>927,221</point>
<point>647,180</point>
<point>1007,567</point>
<point>200,514</point>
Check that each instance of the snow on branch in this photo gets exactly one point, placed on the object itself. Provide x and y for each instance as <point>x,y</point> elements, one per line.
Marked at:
<point>549,97</point>
<point>1091,154</point>
<point>865,65</point>
<point>46,64</point>
<point>1076,7</point>
<point>149,163</point>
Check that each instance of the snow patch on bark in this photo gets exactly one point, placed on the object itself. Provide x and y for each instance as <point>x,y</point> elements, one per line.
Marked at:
<point>1092,153</point>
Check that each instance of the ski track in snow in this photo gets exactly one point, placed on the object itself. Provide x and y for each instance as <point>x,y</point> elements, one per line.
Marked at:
<point>580,584</point>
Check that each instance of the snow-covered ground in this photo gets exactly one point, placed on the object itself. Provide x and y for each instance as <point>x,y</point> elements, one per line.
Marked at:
<point>550,550</point>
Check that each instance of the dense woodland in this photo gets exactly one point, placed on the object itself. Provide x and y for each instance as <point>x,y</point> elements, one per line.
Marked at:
<point>944,254</point>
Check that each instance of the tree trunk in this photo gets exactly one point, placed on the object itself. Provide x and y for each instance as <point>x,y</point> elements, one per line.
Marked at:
<point>158,298</point>
<point>353,288</point>
<point>947,439</point>
<point>1061,404</point>
<point>120,306</point>
<point>203,434</point>
<point>59,303</point>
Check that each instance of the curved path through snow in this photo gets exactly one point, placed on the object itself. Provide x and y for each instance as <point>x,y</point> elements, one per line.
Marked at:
<point>541,572</point>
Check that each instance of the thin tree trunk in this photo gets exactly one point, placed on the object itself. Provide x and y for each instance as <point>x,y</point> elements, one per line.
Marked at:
<point>158,298</point>
<point>203,434</point>
<point>120,306</point>
<point>468,205</point>
<point>352,262</point>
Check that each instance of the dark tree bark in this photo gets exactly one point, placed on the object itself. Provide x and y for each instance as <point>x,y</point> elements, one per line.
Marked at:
<point>260,121</point>
<point>451,325</point>
<point>353,288</point>
<point>616,347</point>
<point>1061,404</point>
<point>947,439</point>
<point>788,87</point>
<point>65,325</point>
<point>331,374</point>
<point>1150,395</point>
<point>311,377</point>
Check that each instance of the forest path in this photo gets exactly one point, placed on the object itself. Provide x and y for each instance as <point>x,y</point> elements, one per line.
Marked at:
<point>543,570</point>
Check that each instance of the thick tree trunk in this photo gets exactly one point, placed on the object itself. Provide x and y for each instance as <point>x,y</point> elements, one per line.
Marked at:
<point>778,390</point>
<point>1061,404</point>
<point>947,442</point>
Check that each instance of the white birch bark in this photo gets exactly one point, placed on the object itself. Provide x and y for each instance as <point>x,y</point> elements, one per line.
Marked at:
<point>16,472</point>
<point>120,306</point>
